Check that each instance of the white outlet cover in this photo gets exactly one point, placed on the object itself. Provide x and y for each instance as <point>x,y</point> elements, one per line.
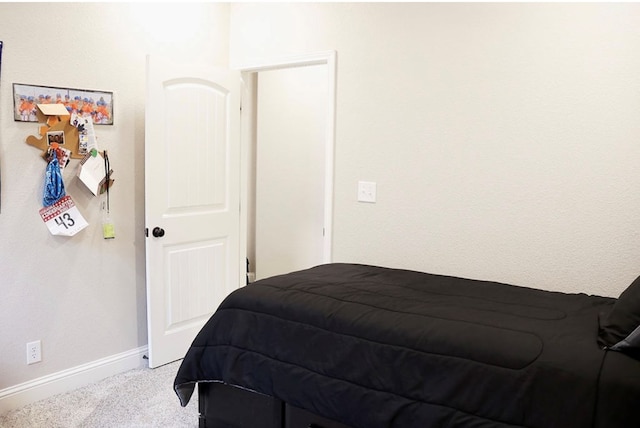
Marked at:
<point>367,191</point>
<point>34,352</point>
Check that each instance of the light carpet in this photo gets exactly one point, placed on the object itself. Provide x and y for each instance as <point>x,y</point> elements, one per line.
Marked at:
<point>141,398</point>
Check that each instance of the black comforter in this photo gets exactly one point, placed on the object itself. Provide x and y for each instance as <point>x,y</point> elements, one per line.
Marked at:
<point>378,347</point>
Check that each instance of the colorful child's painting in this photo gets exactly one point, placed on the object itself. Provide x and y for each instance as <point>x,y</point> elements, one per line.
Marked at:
<point>95,104</point>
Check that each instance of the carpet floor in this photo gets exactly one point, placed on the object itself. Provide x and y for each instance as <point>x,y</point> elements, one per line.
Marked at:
<point>141,398</point>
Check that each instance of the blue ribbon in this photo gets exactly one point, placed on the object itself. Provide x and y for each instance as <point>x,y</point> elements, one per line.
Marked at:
<point>53,185</point>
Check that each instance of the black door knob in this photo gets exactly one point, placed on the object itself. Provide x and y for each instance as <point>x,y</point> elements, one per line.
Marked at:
<point>158,232</point>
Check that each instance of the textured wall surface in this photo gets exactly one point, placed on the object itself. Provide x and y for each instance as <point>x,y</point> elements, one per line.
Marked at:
<point>503,137</point>
<point>84,297</point>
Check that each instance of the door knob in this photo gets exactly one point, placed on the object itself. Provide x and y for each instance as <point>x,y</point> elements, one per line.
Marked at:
<point>158,232</point>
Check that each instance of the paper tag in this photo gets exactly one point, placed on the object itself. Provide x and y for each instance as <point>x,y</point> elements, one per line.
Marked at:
<point>91,172</point>
<point>86,133</point>
<point>83,143</point>
<point>63,218</point>
<point>108,231</point>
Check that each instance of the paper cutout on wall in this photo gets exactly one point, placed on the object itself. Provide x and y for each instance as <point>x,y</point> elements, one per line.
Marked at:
<point>86,133</point>
<point>91,172</point>
<point>56,129</point>
<point>63,217</point>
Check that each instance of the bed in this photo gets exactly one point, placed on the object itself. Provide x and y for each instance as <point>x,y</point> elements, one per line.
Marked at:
<point>355,346</point>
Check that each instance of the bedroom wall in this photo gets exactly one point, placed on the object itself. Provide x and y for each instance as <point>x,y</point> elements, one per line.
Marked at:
<point>503,137</point>
<point>84,297</point>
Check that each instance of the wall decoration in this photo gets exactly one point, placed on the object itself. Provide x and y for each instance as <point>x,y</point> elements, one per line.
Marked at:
<point>63,217</point>
<point>95,104</point>
<point>55,137</point>
<point>55,121</point>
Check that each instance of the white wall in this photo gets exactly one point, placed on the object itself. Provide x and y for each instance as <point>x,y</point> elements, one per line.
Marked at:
<point>83,297</point>
<point>503,136</point>
<point>290,164</point>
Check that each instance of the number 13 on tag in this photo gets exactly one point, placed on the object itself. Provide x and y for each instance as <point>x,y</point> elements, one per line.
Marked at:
<point>63,218</point>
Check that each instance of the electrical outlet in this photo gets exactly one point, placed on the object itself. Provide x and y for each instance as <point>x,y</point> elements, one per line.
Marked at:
<point>366,191</point>
<point>34,352</point>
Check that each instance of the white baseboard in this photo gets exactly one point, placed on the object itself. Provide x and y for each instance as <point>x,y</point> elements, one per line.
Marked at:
<point>20,395</point>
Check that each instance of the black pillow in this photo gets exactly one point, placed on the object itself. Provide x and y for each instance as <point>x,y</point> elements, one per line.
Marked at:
<point>630,345</point>
<point>622,319</point>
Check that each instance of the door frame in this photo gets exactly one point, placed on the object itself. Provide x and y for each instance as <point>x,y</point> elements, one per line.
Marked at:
<point>247,134</point>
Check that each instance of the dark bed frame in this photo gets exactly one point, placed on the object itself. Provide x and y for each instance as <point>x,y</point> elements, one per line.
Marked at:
<point>224,406</point>
<point>613,391</point>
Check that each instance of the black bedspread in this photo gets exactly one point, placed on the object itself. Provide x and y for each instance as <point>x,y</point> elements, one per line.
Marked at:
<point>378,347</point>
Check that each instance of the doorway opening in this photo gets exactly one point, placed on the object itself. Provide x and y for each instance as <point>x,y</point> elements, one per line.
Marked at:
<point>288,133</point>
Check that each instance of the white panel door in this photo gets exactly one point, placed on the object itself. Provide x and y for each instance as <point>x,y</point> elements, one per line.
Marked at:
<point>192,200</point>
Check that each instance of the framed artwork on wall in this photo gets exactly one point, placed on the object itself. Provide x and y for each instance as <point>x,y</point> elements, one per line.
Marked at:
<point>96,104</point>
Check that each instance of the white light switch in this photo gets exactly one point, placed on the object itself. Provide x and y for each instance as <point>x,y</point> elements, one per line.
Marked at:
<point>366,191</point>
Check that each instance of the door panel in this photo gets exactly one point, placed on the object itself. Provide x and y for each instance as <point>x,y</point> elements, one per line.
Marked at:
<point>192,193</point>
<point>197,144</point>
<point>190,271</point>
